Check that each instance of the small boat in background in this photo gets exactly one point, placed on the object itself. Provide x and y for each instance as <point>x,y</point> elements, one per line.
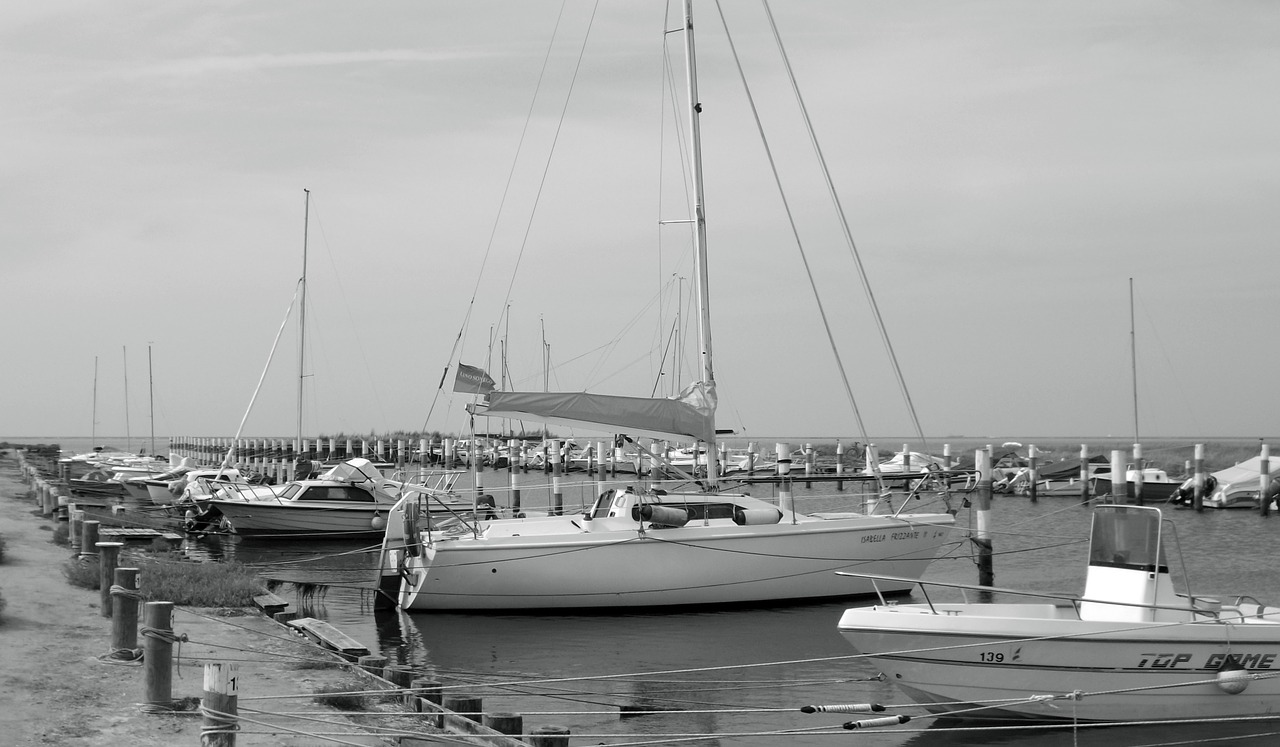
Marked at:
<point>1130,648</point>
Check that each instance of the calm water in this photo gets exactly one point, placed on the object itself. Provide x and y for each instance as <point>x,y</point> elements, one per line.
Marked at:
<point>731,674</point>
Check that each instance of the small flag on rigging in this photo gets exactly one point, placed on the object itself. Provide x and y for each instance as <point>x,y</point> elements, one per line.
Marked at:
<point>472,380</point>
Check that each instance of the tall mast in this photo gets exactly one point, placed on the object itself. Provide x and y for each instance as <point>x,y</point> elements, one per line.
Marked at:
<point>302,309</point>
<point>701,285</point>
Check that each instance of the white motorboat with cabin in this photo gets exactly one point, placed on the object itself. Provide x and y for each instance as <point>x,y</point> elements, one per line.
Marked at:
<point>350,499</point>
<point>1131,648</point>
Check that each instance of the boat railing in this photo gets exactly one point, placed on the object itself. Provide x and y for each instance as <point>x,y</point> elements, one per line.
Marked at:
<point>1075,601</point>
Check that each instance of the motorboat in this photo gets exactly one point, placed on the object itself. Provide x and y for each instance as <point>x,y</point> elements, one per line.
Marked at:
<point>350,499</point>
<point>1240,485</point>
<point>651,549</point>
<point>1130,648</point>
<point>1157,486</point>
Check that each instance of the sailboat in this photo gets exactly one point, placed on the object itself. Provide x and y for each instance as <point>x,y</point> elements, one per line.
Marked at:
<point>646,548</point>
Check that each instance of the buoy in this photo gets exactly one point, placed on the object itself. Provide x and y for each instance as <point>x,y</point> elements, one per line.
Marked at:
<point>844,708</point>
<point>1233,678</point>
<point>379,521</point>
<point>868,723</point>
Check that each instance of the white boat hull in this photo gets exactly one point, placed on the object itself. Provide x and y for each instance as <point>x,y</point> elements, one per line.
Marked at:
<point>715,564</point>
<point>264,517</point>
<point>1036,662</point>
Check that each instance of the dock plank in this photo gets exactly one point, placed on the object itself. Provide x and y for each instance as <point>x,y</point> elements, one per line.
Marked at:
<point>328,636</point>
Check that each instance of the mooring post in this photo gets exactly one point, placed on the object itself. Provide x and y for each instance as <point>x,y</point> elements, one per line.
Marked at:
<point>982,538</point>
<point>549,735</point>
<point>1031,470</point>
<point>1197,500</point>
<point>839,465</point>
<point>373,664</point>
<point>1119,485</point>
<point>74,518</point>
<point>89,538</point>
<point>1264,481</point>
<point>157,653</point>
<point>429,691</point>
<point>785,501</point>
<point>600,468</point>
<point>470,707</point>
<point>1084,474</point>
<point>557,494</point>
<point>808,466</point>
<point>1137,476</point>
<point>109,558</point>
<point>124,613</point>
<point>505,722</point>
<point>514,452</point>
<point>219,705</point>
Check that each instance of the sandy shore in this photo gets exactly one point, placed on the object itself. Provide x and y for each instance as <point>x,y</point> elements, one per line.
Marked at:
<point>56,688</point>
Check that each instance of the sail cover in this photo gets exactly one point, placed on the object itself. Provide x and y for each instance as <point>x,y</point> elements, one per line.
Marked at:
<point>691,415</point>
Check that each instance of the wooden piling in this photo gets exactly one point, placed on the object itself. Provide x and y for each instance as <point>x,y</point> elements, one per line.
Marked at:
<point>431,692</point>
<point>982,536</point>
<point>785,500</point>
<point>108,559</point>
<point>1137,477</point>
<point>1084,474</point>
<point>470,707</point>
<point>157,653</point>
<point>504,722</point>
<point>124,613</point>
<point>373,664</point>
<point>221,696</point>
<point>89,537</point>
<point>839,465</point>
<point>549,735</point>
<point>1032,471</point>
<point>1264,481</point>
<point>557,491</point>
<point>1197,500</point>
<point>1119,485</point>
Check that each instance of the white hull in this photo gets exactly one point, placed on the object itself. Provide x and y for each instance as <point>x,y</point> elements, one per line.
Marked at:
<point>263,517</point>
<point>1003,656</point>
<point>540,564</point>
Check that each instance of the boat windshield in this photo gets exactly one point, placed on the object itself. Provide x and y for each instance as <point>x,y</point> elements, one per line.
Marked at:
<point>1128,537</point>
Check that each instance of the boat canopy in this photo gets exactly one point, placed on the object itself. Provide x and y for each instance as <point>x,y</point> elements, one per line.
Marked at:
<point>353,471</point>
<point>691,415</point>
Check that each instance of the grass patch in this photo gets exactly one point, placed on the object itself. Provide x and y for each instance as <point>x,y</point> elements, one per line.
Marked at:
<point>345,696</point>
<point>198,584</point>
<point>184,582</point>
<point>82,572</point>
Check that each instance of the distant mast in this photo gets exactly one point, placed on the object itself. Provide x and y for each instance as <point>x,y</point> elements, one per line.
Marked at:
<point>93,427</point>
<point>1133,364</point>
<point>151,396</point>
<point>701,284</point>
<point>302,309</point>
<point>128,436</point>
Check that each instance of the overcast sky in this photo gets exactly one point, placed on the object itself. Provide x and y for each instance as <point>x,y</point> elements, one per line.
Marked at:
<point>1005,168</point>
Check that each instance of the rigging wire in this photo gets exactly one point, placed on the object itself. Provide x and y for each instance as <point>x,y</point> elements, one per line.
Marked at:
<point>844,224</point>
<point>795,232</point>
<point>506,191</point>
